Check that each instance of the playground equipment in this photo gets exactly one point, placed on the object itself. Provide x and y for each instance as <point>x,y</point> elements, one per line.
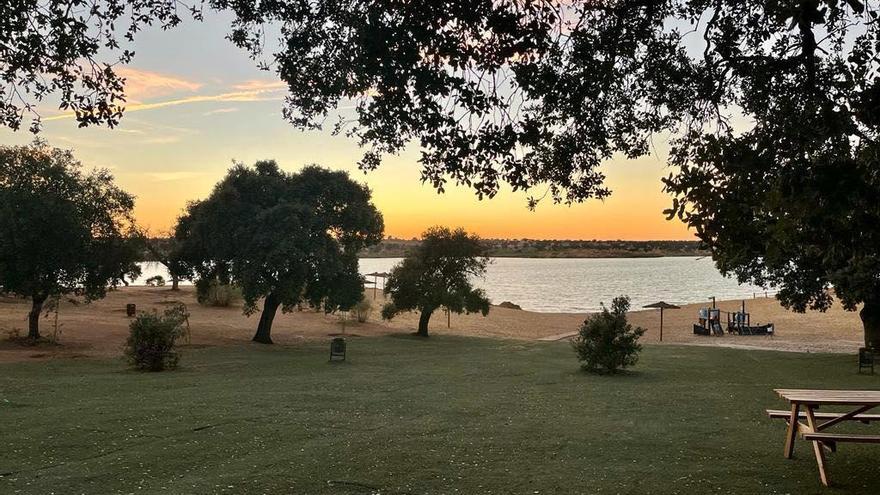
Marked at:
<point>709,322</point>
<point>738,322</point>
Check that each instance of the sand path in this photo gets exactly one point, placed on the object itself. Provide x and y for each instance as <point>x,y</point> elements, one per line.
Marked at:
<point>100,328</point>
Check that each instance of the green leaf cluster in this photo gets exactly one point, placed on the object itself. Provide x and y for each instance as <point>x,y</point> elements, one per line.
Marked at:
<point>606,342</point>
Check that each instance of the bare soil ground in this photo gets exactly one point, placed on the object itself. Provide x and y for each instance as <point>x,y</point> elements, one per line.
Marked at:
<point>99,329</point>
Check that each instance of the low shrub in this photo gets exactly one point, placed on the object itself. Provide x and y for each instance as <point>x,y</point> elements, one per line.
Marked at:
<point>606,342</point>
<point>152,338</point>
<point>155,281</point>
<point>216,294</point>
<point>362,310</point>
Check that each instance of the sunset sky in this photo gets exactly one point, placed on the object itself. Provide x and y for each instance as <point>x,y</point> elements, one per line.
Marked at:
<point>196,102</point>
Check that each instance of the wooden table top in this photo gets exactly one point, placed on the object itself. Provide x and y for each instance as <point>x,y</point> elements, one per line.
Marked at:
<point>808,396</point>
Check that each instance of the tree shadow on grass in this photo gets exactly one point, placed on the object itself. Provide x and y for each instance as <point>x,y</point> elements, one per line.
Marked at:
<point>411,335</point>
<point>629,374</point>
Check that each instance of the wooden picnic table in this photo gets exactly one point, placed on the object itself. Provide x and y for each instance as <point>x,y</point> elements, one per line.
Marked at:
<point>861,401</point>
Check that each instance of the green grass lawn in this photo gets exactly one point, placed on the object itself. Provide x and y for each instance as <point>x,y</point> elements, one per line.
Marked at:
<point>442,415</point>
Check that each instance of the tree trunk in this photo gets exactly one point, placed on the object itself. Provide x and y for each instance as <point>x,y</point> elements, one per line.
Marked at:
<point>424,317</point>
<point>34,316</point>
<point>175,282</point>
<point>870,315</point>
<point>264,329</point>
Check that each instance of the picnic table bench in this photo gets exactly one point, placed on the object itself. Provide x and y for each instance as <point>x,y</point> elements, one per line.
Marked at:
<point>810,400</point>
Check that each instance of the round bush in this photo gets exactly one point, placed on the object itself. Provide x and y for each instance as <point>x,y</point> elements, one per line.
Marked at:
<point>605,342</point>
<point>151,341</point>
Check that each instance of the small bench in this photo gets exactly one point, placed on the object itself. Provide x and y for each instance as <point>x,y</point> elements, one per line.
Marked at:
<point>780,414</point>
<point>841,437</point>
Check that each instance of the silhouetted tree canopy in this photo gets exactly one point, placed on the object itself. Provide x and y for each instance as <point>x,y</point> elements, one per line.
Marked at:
<point>62,231</point>
<point>52,49</point>
<point>286,237</point>
<point>437,273</point>
<point>517,91</point>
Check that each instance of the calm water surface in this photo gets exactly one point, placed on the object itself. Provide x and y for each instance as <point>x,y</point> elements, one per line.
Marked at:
<point>580,285</point>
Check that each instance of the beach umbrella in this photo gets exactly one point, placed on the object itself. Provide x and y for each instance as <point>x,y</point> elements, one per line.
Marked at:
<point>661,306</point>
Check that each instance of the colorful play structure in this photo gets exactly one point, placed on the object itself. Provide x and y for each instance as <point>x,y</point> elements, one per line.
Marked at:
<point>738,322</point>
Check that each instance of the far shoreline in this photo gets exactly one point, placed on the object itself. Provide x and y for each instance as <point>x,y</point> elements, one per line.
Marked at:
<point>391,247</point>
<point>563,256</point>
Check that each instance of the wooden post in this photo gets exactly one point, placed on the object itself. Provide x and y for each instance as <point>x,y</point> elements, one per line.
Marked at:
<point>448,319</point>
<point>792,432</point>
<point>818,448</point>
<point>661,324</point>
<point>375,285</point>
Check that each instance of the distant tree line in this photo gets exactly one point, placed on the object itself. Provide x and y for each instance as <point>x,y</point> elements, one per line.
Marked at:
<point>392,247</point>
<point>549,248</point>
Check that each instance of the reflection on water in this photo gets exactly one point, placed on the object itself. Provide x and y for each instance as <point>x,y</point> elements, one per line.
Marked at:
<point>579,285</point>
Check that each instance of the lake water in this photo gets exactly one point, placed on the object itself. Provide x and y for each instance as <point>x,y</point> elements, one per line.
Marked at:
<point>580,285</point>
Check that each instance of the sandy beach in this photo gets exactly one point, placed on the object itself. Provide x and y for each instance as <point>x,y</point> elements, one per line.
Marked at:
<point>99,329</point>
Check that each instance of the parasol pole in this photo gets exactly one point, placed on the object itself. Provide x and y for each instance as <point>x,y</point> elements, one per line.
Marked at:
<point>661,324</point>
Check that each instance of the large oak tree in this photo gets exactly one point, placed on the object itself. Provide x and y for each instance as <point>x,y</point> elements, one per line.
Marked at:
<point>288,238</point>
<point>62,230</point>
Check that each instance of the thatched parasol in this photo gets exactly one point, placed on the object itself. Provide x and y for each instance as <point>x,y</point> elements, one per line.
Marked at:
<point>376,276</point>
<point>661,306</point>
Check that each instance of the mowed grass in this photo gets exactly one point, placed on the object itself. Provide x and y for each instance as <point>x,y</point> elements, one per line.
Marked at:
<point>406,415</point>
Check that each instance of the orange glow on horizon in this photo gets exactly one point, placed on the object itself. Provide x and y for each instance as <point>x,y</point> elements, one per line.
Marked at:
<point>633,212</point>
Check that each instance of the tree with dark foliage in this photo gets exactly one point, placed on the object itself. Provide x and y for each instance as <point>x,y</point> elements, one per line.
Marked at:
<point>437,274</point>
<point>288,238</point>
<point>794,200</point>
<point>807,223</point>
<point>51,48</point>
<point>606,342</point>
<point>62,231</point>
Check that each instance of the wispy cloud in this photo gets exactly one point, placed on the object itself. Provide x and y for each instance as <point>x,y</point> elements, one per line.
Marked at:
<point>173,175</point>
<point>234,96</point>
<point>260,85</point>
<point>141,84</point>
<point>162,140</point>
<point>221,110</point>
